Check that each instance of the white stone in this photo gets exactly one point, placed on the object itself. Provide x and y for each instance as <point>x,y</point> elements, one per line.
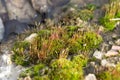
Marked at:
<point>111,53</point>
<point>117,42</point>
<point>104,62</point>
<point>31,38</point>
<point>90,77</point>
<point>114,47</point>
<point>98,54</point>
<point>27,78</point>
<point>2,30</point>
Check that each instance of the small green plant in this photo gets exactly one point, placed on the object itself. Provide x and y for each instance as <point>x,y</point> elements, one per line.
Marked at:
<point>104,76</point>
<point>91,7</point>
<point>112,11</point>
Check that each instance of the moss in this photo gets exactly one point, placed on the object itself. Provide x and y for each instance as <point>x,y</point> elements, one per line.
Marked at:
<point>60,69</point>
<point>109,25</point>
<point>73,17</point>
<point>85,42</point>
<point>86,15</point>
<point>91,7</point>
<point>111,11</point>
<point>118,67</point>
<point>41,78</point>
<point>34,71</point>
<point>63,69</point>
<point>20,55</point>
<point>45,33</point>
<point>49,44</point>
<point>56,47</point>
<point>71,30</point>
<point>104,76</point>
<point>80,60</point>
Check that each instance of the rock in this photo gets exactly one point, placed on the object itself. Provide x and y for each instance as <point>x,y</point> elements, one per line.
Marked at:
<point>2,30</point>
<point>116,48</point>
<point>49,8</point>
<point>111,53</point>
<point>90,68</point>
<point>14,26</point>
<point>111,42</point>
<point>90,77</point>
<point>104,47</point>
<point>2,7</point>
<point>58,3</point>
<point>40,5</point>
<point>83,3</point>
<point>117,42</point>
<point>20,10</point>
<point>98,55</point>
<point>3,11</point>
<point>105,63</point>
<point>27,78</point>
<point>114,36</point>
<point>31,38</point>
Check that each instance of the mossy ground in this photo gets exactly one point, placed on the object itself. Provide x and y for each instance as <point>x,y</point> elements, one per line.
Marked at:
<point>60,52</point>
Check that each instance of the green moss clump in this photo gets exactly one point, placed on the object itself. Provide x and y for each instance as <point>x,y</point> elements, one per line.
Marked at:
<point>33,71</point>
<point>45,33</point>
<point>112,11</point>
<point>105,76</point>
<point>85,42</point>
<point>49,44</point>
<point>80,60</point>
<point>63,69</point>
<point>20,56</point>
<point>91,7</point>
<point>60,69</point>
<point>71,30</point>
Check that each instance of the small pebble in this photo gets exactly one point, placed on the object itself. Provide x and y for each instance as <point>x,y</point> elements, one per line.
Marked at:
<point>90,77</point>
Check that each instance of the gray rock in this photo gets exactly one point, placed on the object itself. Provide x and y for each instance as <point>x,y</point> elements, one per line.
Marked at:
<point>3,11</point>
<point>90,77</point>
<point>20,10</point>
<point>2,30</point>
<point>40,5</point>
<point>14,26</point>
<point>98,55</point>
<point>50,8</point>
<point>2,7</point>
<point>82,3</point>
